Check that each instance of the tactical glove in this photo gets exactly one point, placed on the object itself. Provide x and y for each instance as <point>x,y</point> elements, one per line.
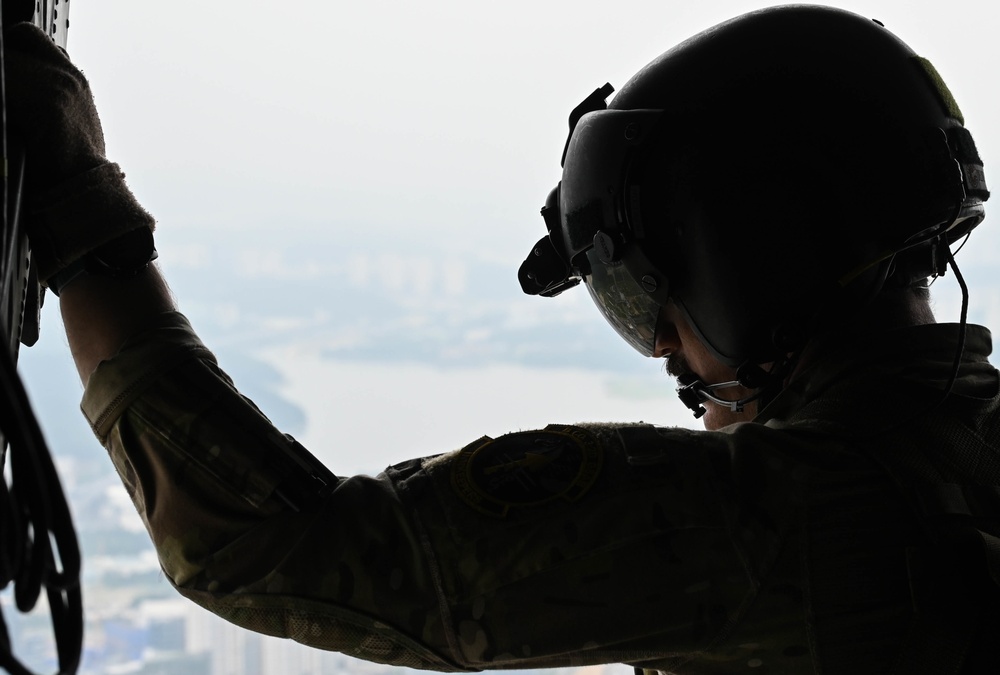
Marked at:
<point>76,199</point>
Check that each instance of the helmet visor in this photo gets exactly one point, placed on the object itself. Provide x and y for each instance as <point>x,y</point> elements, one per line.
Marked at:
<point>627,307</point>
<point>593,199</point>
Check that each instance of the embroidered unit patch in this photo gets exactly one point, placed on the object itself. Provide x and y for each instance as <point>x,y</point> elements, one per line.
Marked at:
<point>526,469</point>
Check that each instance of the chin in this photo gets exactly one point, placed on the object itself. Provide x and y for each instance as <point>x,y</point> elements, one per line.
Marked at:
<point>713,422</point>
<point>717,417</point>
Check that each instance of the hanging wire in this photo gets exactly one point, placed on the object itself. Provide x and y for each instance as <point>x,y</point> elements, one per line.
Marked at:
<point>38,544</point>
<point>963,319</point>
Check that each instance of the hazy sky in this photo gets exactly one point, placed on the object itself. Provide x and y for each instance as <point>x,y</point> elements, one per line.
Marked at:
<point>437,123</point>
<point>441,119</point>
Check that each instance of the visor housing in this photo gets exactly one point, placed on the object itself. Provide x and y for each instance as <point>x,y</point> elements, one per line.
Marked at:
<point>594,227</point>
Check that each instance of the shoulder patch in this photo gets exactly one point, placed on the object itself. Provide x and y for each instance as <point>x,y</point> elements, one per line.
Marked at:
<point>526,469</point>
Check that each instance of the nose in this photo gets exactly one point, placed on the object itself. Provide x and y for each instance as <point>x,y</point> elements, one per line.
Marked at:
<point>666,341</point>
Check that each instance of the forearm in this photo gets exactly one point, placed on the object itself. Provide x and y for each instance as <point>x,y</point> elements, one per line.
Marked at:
<point>101,313</point>
<point>241,527</point>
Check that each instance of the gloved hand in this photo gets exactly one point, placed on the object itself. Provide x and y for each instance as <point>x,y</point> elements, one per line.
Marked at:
<point>76,199</point>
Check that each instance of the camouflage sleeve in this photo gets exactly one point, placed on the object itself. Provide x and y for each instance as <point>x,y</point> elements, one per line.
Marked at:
<point>544,548</point>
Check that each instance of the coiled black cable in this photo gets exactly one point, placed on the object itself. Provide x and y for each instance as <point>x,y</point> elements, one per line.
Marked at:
<point>37,515</point>
<point>38,544</point>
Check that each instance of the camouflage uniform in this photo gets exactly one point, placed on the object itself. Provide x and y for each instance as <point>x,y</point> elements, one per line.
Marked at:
<point>779,546</point>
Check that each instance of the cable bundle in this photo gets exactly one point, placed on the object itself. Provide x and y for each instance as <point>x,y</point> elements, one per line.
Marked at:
<point>38,544</point>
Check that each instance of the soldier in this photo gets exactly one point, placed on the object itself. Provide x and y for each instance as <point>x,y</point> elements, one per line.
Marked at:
<point>761,205</point>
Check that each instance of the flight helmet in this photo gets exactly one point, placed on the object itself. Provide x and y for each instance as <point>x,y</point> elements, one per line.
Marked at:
<point>769,174</point>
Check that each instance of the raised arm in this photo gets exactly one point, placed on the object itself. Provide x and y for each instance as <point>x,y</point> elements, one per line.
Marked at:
<point>78,208</point>
<point>101,313</point>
